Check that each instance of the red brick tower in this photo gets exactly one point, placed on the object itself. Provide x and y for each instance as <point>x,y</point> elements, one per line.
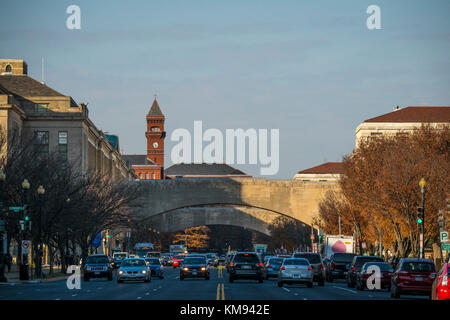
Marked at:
<point>155,134</point>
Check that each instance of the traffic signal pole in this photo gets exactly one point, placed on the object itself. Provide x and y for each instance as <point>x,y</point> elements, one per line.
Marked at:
<point>422,226</point>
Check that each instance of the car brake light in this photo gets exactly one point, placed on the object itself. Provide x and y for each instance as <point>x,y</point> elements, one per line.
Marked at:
<point>354,269</point>
<point>283,268</point>
<point>321,267</point>
<point>269,266</point>
<point>332,266</point>
<point>260,264</point>
<point>232,264</point>
<point>309,268</point>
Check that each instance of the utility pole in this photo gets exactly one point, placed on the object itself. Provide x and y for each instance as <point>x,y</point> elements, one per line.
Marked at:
<point>422,185</point>
<point>339,222</point>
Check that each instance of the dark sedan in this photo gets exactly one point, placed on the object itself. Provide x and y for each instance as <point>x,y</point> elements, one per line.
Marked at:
<point>194,267</point>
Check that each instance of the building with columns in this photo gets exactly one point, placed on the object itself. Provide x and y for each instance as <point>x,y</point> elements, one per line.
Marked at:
<point>151,165</point>
<point>56,122</point>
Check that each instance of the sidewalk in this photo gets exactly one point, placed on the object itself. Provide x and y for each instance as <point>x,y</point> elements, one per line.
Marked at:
<point>13,276</point>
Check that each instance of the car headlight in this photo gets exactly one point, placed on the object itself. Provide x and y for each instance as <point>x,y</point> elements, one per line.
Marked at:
<point>185,268</point>
<point>120,271</point>
<point>144,271</point>
<point>203,268</point>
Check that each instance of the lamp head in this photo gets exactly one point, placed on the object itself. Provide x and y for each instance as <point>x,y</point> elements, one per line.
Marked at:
<point>422,183</point>
<point>40,190</point>
<point>25,184</point>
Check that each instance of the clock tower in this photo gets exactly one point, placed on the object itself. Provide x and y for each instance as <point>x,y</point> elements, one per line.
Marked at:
<point>155,134</point>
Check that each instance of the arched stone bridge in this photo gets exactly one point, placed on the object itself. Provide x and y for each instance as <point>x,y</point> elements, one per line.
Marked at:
<point>247,202</point>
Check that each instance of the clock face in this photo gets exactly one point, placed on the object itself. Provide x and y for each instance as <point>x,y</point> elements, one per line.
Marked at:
<point>155,145</point>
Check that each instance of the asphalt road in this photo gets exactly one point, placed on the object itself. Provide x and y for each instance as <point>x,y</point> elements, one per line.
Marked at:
<point>171,288</point>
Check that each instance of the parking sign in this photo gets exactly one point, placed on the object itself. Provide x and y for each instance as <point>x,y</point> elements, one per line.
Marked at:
<point>444,236</point>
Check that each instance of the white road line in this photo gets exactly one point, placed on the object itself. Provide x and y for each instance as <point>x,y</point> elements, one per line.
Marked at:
<point>285,289</point>
<point>74,295</point>
<point>177,277</point>
<point>147,293</point>
<point>154,289</point>
<point>58,299</point>
<point>139,298</point>
<point>295,294</point>
<point>305,298</point>
<point>352,291</point>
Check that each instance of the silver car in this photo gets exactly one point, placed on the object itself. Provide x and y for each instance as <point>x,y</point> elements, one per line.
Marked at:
<point>133,269</point>
<point>295,270</point>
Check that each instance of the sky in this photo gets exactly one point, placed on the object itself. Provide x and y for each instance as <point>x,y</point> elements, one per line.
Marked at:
<point>311,69</point>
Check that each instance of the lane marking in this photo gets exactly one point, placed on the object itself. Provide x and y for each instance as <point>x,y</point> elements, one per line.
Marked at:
<point>352,291</point>
<point>296,294</point>
<point>74,295</point>
<point>218,292</point>
<point>285,289</point>
<point>223,292</point>
<point>147,293</point>
<point>139,298</point>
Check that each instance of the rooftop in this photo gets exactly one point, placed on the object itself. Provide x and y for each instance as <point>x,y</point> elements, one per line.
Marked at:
<point>24,86</point>
<point>328,167</point>
<point>203,169</point>
<point>138,159</point>
<point>415,114</point>
<point>155,110</point>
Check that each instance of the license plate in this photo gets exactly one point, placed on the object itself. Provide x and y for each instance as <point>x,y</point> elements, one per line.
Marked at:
<point>419,279</point>
<point>246,267</point>
<point>194,273</point>
<point>97,272</point>
<point>296,275</point>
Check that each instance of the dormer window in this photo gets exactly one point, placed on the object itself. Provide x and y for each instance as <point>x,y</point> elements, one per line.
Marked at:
<point>8,69</point>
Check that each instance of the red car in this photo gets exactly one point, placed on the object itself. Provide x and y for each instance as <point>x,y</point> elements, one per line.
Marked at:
<point>177,260</point>
<point>413,277</point>
<point>441,288</point>
<point>386,272</point>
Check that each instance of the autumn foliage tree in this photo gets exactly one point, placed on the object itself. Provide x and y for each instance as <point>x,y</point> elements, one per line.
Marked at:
<point>380,183</point>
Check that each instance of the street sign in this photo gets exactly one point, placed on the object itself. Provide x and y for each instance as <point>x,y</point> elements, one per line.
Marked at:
<point>16,209</point>
<point>312,236</point>
<point>26,246</point>
<point>445,246</point>
<point>444,236</point>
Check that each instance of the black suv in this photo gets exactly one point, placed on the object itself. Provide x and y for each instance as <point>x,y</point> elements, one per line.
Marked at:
<point>338,265</point>
<point>246,265</point>
<point>315,260</point>
<point>194,267</point>
<point>356,267</point>
<point>97,266</point>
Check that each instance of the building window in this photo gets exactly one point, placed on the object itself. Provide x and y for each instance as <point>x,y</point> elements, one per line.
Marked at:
<point>41,138</point>
<point>146,176</point>
<point>376,134</point>
<point>62,144</point>
<point>41,107</point>
<point>155,129</point>
<point>153,176</point>
<point>8,68</point>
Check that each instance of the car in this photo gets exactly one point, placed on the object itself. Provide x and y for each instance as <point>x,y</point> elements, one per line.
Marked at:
<point>355,267</point>
<point>315,260</point>
<point>194,267</point>
<point>386,272</point>
<point>246,265</point>
<point>441,289</point>
<point>413,277</point>
<point>97,266</point>
<point>272,266</point>
<point>156,268</point>
<point>132,256</point>
<point>133,269</point>
<point>213,260</point>
<point>222,258</point>
<point>296,270</point>
<point>166,260</point>
<point>153,254</point>
<point>266,258</point>
<point>177,260</point>
<point>338,265</point>
<point>118,257</point>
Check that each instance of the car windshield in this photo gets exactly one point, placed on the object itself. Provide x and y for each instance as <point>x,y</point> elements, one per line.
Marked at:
<point>312,258</point>
<point>133,263</point>
<point>246,257</point>
<point>97,259</point>
<point>295,262</point>
<point>120,256</point>
<point>383,266</point>
<point>343,257</point>
<point>276,261</point>
<point>196,260</point>
<point>418,267</point>
<point>360,261</point>
<point>211,255</point>
<point>153,261</point>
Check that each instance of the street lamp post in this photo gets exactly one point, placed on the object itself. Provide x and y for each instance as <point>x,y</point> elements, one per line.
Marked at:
<point>23,263</point>
<point>3,256</point>
<point>422,185</point>
<point>41,192</point>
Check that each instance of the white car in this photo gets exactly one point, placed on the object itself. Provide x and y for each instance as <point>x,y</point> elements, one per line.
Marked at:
<point>133,269</point>
<point>295,270</point>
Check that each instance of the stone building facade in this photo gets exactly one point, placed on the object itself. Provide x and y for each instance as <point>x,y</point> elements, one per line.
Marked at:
<point>56,122</point>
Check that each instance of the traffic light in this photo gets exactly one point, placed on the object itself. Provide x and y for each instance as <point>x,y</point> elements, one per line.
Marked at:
<point>419,215</point>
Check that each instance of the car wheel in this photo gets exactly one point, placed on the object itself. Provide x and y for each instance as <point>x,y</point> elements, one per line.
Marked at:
<point>310,285</point>
<point>280,283</point>
<point>231,279</point>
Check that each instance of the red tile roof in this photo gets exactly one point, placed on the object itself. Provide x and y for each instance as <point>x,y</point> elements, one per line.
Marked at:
<point>328,167</point>
<point>415,114</point>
